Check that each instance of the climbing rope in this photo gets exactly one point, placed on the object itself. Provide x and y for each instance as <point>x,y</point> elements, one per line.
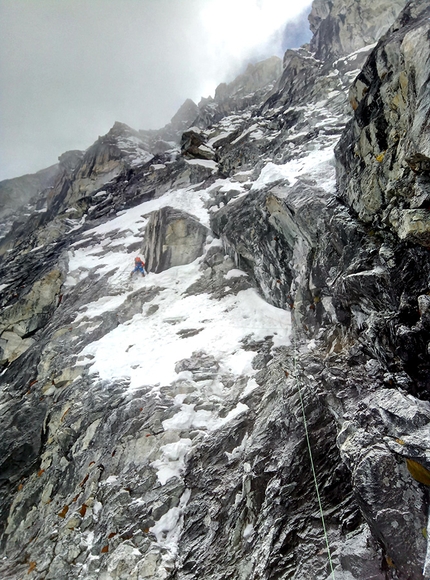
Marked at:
<point>308,441</point>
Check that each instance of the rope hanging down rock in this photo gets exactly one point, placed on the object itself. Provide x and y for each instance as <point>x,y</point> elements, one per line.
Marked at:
<point>296,378</point>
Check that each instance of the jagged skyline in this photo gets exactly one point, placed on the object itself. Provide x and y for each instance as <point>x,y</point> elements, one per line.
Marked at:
<point>69,70</point>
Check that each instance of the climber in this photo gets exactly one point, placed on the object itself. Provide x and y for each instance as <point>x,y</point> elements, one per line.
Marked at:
<point>139,266</point>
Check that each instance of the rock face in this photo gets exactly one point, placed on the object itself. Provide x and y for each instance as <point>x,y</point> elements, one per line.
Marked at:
<point>386,148</point>
<point>161,427</point>
<point>172,238</point>
<point>22,320</point>
<point>257,76</point>
<point>18,192</point>
<point>343,26</point>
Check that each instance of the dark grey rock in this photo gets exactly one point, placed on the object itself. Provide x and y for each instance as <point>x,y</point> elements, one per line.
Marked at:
<point>172,238</point>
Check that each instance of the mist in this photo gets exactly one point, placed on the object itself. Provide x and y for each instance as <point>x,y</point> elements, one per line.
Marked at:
<point>69,69</point>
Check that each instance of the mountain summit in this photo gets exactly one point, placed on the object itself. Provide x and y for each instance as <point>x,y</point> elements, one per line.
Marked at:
<point>258,405</point>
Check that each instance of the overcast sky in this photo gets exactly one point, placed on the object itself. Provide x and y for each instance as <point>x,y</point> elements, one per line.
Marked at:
<point>70,68</point>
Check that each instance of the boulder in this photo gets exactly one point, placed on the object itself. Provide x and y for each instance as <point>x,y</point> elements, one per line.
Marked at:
<point>193,145</point>
<point>412,225</point>
<point>173,238</point>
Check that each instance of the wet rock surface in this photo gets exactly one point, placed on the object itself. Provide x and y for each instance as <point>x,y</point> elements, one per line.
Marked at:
<point>156,427</point>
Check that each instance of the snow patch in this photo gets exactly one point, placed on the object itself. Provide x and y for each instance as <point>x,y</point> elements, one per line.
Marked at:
<point>317,164</point>
<point>146,350</point>
<point>168,528</point>
<point>189,418</point>
<point>102,305</point>
<point>204,162</point>
<point>235,273</point>
<point>172,461</point>
<point>250,386</point>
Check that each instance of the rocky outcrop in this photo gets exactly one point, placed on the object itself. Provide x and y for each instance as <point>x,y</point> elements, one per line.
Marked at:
<point>194,144</point>
<point>172,238</point>
<point>247,91</point>
<point>341,27</point>
<point>181,121</point>
<point>18,193</point>
<point>112,155</point>
<point>22,320</point>
<point>184,117</point>
<point>167,138</point>
<point>256,77</point>
<point>385,153</point>
<point>70,160</point>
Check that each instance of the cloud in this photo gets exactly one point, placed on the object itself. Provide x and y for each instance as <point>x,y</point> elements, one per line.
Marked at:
<point>70,68</point>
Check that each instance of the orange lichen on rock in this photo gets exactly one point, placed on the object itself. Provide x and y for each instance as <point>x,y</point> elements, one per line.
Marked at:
<point>418,471</point>
<point>64,511</point>
<point>84,481</point>
<point>63,416</point>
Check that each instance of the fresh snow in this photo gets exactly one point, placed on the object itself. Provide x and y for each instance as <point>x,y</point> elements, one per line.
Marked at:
<point>235,273</point>
<point>212,142</point>
<point>104,304</point>
<point>204,162</point>
<point>188,418</point>
<point>353,55</point>
<point>186,199</point>
<point>227,185</point>
<point>146,349</point>
<point>318,165</point>
<point>172,462</point>
<point>168,528</point>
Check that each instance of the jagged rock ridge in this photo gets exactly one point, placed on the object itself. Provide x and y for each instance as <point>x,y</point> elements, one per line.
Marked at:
<point>166,437</point>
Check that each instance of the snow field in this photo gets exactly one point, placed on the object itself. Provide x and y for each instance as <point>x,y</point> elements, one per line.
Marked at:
<point>146,349</point>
